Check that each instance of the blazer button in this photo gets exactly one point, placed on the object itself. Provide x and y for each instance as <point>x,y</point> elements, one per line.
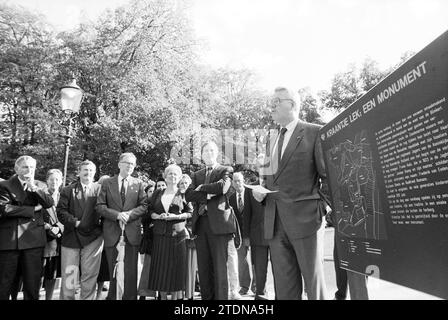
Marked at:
<point>33,219</point>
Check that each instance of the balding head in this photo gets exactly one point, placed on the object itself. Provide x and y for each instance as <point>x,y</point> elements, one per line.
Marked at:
<point>284,106</point>
<point>238,181</point>
<point>25,167</point>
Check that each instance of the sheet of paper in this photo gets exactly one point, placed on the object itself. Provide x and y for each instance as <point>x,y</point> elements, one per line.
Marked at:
<point>260,189</point>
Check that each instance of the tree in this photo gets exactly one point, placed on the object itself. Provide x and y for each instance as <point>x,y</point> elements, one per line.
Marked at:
<point>308,107</point>
<point>136,63</point>
<point>348,86</point>
<point>28,51</point>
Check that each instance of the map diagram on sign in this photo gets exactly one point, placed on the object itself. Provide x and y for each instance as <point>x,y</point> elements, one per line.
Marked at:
<point>355,194</point>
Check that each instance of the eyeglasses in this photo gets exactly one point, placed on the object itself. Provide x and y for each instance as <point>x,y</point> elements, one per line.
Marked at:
<point>129,163</point>
<point>276,101</point>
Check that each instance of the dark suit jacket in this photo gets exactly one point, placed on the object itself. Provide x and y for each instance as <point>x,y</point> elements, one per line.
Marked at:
<point>21,227</point>
<point>71,208</point>
<point>219,213</point>
<point>109,205</point>
<point>179,205</point>
<point>301,181</point>
<point>255,220</point>
<point>242,216</point>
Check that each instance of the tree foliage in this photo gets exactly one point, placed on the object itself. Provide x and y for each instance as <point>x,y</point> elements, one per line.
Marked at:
<point>348,86</point>
<point>144,90</point>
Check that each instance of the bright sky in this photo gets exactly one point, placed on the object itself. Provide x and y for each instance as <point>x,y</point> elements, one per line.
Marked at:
<point>296,43</point>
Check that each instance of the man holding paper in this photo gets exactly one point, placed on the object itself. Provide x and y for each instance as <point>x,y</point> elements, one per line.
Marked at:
<point>293,215</point>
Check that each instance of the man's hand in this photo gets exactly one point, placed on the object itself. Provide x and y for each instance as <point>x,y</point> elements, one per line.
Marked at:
<point>329,217</point>
<point>258,195</point>
<point>163,216</point>
<point>31,186</point>
<point>37,208</point>
<point>123,217</point>
<point>260,160</point>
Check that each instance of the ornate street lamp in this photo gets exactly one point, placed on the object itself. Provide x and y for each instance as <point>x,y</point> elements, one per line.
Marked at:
<point>71,99</point>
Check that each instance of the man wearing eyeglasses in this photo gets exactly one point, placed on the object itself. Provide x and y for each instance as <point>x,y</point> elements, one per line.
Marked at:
<point>122,202</point>
<point>295,170</point>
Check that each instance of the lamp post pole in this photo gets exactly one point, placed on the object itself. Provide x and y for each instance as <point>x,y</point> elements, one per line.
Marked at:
<point>68,139</point>
<point>71,99</point>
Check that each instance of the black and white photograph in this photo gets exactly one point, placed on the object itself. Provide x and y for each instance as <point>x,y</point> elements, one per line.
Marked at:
<point>227,154</point>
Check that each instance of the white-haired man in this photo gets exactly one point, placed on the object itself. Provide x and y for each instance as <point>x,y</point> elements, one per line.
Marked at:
<point>122,202</point>
<point>293,214</point>
<point>22,233</point>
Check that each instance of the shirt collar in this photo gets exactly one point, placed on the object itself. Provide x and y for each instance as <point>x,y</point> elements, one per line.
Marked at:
<point>121,178</point>
<point>22,182</point>
<point>213,166</point>
<point>292,125</point>
<point>84,186</point>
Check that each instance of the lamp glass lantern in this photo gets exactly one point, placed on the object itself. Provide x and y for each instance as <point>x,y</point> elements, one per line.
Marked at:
<point>71,99</point>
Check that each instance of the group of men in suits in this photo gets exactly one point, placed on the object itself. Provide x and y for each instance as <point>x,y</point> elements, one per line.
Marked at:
<point>94,216</point>
<point>291,222</point>
<point>288,220</point>
<point>217,220</point>
<point>250,216</point>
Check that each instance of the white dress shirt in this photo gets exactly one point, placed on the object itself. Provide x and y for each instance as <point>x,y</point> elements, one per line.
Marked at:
<point>126,183</point>
<point>289,130</point>
<point>85,187</point>
<point>242,197</point>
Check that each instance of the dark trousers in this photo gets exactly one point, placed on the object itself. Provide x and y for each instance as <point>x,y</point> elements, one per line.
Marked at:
<point>341,274</point>
<point>244,275</point>
<point>130,271</point>
<point>212,261</point>
<point>16,285</point>
<point>30,263</point>
<point>293,258</point>
<point>259,256</point>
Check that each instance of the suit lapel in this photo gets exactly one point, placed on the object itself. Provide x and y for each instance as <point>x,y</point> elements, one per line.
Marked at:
<point>115,192</point>
<point>129,191</point>
<point>17,189</point>
<point>200,177</point>
<point>272,144</point>
<point>212,174</point>
<point>293,142</point>
<point>246,200</point>
<point>82,202</point>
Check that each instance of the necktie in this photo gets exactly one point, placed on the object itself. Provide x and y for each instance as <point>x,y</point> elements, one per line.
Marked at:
<point>207,175</point>
<point>123,192</point>
<point>240,202</point>
<point>280,144</point>
<point>84,192</point>
<point>203,206</point>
